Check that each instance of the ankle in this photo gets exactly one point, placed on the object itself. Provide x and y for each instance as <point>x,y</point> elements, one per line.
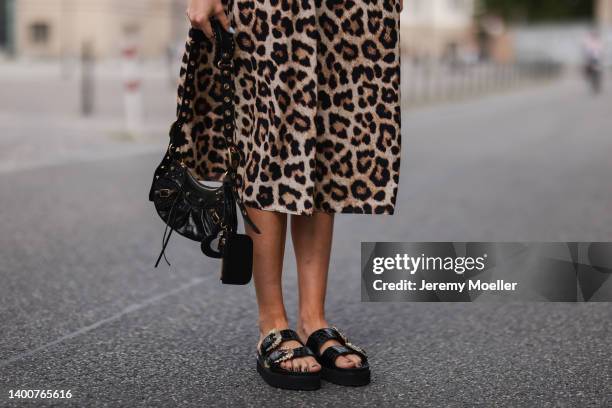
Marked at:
<point>266,324</point>
<point>309,324</point>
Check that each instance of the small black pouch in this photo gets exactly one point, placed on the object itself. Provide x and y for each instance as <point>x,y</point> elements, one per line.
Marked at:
<point>237,264</point>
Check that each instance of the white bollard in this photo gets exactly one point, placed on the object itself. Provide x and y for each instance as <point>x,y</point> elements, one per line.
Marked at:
<point>132,91</point>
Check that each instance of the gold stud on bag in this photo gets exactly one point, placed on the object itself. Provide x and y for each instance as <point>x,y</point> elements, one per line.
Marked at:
<point>196,211</point>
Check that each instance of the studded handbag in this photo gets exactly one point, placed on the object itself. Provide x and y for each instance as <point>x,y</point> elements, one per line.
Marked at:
<point>203,213</point>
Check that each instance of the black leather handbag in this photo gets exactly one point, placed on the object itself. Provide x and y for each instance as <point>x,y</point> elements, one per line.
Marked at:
<point>194,210</point>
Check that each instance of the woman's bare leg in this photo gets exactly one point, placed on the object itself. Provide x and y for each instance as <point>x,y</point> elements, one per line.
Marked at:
<point>312,241</point>
<point>268,253</point>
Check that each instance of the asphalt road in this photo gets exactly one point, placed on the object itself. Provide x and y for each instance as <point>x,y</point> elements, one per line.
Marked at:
<point>82,308</point>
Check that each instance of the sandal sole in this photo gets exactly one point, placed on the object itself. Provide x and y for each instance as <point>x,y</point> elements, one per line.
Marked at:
<point>296,382</point>
<point>348,378</point>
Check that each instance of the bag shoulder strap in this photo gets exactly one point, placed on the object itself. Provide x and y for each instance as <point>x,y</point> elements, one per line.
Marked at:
<point>223,60</point>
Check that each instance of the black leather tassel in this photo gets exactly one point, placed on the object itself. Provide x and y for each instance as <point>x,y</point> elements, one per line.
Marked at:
<point>166,239</point>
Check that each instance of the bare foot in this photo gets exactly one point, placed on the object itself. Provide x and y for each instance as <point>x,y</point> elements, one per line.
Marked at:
<point>302,364</point>
<point>348,361</point>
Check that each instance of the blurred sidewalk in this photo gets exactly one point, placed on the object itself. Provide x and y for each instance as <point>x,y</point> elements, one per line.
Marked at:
<point>41,123</point>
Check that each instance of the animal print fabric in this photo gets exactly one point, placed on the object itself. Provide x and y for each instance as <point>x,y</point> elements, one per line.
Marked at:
<point>317,106</point>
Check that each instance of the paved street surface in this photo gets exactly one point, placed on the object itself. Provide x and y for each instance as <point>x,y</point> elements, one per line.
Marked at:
<point>82,308</point>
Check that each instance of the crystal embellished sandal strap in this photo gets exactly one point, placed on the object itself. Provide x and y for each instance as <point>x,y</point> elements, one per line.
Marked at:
<point>358,350</point>
<point>276,357</point>
<point>274,339</point>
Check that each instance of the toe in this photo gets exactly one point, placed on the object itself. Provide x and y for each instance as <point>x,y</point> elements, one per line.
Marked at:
<point>295,365</point>
<point>313,366</point>
<point>344,362</point>
<point>286,365</point>
<point>300,365</point>
<point>355,359</point>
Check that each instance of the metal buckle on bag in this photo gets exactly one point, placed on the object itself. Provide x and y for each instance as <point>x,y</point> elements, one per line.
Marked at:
<point>165,192</point>
<point>218,220</point>
<point>222,241</point>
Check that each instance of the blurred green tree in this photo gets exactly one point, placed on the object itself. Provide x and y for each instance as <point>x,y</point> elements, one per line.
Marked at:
<point>541,10</point>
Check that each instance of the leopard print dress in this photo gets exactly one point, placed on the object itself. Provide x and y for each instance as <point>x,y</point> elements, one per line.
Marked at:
<point>317,106</point>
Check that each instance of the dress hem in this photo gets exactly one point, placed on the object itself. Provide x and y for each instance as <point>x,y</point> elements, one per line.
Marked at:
<point>284,210</point>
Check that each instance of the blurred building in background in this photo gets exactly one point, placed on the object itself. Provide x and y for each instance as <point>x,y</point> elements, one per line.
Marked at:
<point>495,30</point>
<point>433,28</point>
<point>604,13</point>
<point>7,14</point>
<point>60,28</point>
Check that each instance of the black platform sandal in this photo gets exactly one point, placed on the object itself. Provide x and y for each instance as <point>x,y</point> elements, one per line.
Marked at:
<point>270,356</point>
<point>329,371</point>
